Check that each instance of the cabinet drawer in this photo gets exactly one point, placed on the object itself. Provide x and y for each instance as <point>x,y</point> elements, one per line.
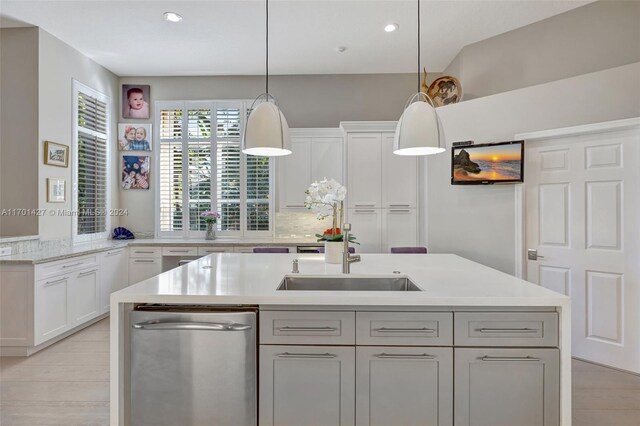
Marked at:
<point>145,252</point>
<point>506,329</point>
<point>289,327</point>
<point>404,328</point>
<point>203,251</point>
<point>180,251</point>
<point>63,266</point>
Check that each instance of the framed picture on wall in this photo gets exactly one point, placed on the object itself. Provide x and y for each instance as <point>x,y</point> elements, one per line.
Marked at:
<point>135,172</point>
<point>134,137</point>
<point>135,101</point>
<point>56,190</point>
<point>56,154</point>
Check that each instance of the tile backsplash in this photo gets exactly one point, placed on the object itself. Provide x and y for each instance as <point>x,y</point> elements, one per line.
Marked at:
<point>299,224</point>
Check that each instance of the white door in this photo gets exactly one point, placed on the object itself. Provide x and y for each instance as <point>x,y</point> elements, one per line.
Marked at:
<point>582,215</point>
<point>399,228</point>
<point>366,225</point>
<point>364,170</point>
<point>399,177</point>
<point>295,174</point>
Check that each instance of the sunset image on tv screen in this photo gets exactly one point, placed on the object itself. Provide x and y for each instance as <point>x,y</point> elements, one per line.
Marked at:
<point>488,163</point>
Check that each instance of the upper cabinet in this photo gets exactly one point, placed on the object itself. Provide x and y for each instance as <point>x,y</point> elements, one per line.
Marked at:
<point>317,153</point>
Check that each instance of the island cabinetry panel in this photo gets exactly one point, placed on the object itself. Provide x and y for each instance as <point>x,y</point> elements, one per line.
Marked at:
<point>307,385</point>
<point>506,329</point>
<point>506,387</point>
<point>404,328</point>
<point>113,275</point>
<point>404,386</point>
<point>309,327</point>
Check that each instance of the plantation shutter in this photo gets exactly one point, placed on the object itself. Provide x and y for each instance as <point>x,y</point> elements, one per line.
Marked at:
<point>199,166</point>
<point>170,170</point>
<point>91,177</point>
<point>258,179</point>
<point>228,168</point>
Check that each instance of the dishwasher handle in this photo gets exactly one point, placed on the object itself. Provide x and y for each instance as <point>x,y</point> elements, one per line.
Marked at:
<point>191,326</point>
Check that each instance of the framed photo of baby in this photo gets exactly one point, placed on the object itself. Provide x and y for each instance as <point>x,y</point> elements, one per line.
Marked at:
<point>135,101</point>
<point>134,137</point>
<point>135,172</point>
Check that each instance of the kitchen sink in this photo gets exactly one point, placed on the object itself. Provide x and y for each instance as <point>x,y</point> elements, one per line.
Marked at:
<point>360,283</point>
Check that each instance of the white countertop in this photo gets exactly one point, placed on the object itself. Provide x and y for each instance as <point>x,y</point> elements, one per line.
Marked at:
<point>234,278</point>
<point>227,242</point>
<point>42,256</point>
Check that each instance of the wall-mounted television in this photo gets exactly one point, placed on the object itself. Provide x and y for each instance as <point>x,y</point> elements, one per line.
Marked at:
<point>487,164</point>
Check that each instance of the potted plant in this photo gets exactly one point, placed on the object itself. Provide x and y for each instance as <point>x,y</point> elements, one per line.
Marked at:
<point>326,198</point>
<point>211,218</point>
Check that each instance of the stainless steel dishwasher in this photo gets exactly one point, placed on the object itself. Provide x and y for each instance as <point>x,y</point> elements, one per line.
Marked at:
<point>193,365</point>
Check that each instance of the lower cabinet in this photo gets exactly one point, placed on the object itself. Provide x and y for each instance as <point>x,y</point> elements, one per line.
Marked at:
<point>404,386</point>
<point>141,269</point>
<point>83,297</point>
<point>113,275</point>
<point>307,385</point>
<point>50,308</point>
<point>503,387</point>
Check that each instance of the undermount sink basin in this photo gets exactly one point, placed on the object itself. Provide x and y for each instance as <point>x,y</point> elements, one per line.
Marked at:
<point>359,283</point>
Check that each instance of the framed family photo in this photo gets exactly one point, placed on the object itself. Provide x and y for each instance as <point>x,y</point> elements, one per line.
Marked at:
<point>56,154</point>
<point>135,172</point>
<point>135,101</point>
<point>134,137</point>
<point>56,190</point>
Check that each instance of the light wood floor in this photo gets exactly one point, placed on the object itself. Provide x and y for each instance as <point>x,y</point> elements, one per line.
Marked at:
<point>68,384</point>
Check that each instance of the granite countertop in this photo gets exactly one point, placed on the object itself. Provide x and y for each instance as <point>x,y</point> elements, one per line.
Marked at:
<point>235,278</point>
<point>43,256</point>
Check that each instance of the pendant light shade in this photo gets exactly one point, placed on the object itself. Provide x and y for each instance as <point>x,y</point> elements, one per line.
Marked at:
<point>418,130</point>
<point>266,132</point>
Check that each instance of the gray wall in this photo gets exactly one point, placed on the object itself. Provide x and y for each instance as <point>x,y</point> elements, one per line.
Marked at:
<point>19,130</point>
<point>590,38</point>
<point>478,222</point>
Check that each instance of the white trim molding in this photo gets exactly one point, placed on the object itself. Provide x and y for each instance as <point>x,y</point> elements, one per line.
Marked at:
<point>368,126</point>
<point>322,132</point>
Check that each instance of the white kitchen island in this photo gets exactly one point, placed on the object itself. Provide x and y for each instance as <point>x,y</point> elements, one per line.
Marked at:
<point>450,284</point>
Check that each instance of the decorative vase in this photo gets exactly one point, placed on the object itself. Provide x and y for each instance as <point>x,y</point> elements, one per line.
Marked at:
<point>211,231</point>
<point>333,251</point>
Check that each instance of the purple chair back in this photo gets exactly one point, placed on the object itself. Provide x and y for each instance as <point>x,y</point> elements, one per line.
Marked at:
<point>409,250</point>
<point>351,249</point>
<point>270,250</point>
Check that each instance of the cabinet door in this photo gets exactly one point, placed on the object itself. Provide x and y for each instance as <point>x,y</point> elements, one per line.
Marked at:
<point>399,228</point>
<point>404,386</point>
<point>83,297</point>
<point>366,225</point>
<point>141,269</point>
<point>326,159</point>
<point>364,170</point>
<point>295,174</point>
<point>399,177</point>
<point>51,308</point>
<point>112,276</point>
<point>307,385</point>
<point>505,387</point>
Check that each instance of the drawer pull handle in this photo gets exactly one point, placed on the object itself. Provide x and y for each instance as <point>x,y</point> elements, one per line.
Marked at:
<point>178,251</point>
<point>509,358</point>
<point>48,283</point>
<point>405,330</point>
<point>399,205</point>
<point>508,330</point>
<point>399,211</point>
<point>294,205</point>
<point>290,355</point>
<point>364,205</point>
<point>71,266</point>
<point>405,356</point>
<point>144,252</point>
<point>364,211</point>
<point>83,274</point>
<point>144,261</point>
<point>111,253</point>
<point>307,329</point>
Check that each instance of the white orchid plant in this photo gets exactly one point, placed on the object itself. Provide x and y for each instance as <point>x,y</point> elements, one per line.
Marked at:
<point>326,198</point>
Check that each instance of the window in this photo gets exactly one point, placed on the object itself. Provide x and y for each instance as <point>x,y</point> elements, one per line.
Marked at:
<point>90,180</point>
<point>202,168</point>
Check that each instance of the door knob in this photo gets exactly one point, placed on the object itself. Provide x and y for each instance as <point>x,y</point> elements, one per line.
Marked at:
<point>533,255</point>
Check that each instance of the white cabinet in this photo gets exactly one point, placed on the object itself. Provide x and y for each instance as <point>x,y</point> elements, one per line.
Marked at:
<point>113,275</point>
<point>83,297</point>
<point>142,268</point>
<point>307,385</point>
<point>399,228</point>
<point>399,177</point>
<point>364,171</point>
<point>50,310</point>
<point>316,154</point>
<point>366,225</point>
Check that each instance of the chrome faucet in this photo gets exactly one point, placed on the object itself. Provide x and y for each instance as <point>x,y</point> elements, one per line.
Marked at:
<point>347,259</point>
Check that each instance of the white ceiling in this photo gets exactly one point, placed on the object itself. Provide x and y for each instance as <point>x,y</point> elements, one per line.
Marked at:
<point>220,37</point>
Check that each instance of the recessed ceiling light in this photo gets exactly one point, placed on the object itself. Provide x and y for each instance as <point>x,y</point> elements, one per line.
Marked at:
<point>172,17</point>
<point>391,27</point>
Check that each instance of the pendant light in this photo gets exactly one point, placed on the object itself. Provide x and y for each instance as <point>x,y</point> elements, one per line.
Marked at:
<point>266,132</point>
<point>418,130</point>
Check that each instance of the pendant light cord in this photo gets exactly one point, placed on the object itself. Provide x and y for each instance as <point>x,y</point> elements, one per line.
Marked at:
<point>419,86</point>
<point>266,84</point>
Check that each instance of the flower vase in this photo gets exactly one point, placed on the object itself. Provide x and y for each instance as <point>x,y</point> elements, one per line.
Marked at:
<point>211,231</point>
<point>333,251</point>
